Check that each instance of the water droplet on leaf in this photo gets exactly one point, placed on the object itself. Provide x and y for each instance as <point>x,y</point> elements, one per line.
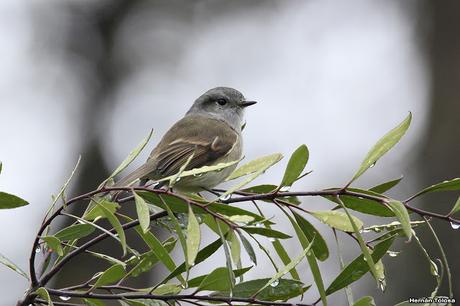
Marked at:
<point>198,174</point>
<point>64,298</point>
<point>285,188</point>
<point>226,197</point>
<point>392,253</point>
<point>38,249</point>
<point>275,283</point>
<point>455,225</point>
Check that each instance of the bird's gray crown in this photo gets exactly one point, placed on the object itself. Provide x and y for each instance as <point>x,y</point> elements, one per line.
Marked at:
<point>223,103</point>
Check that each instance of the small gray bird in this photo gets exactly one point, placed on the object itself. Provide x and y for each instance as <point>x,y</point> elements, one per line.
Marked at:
<point>210,131</point>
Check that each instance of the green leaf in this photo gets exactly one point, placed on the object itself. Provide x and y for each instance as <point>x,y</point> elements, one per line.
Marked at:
<point>106,257</point>
<point>167,289</point>
<point>257,165</point>
<point>266,188</point>
<point>96,212</point>
<point>248,247</point>
<point>5,261</point>
<point>403,216</point>
<point>284,256</point>
<point>132,155</point>
<point>44,294</point>
<point>159,250</point>
<point>143,302</point>
<point>195,282</point>
<point>284,290</point>
<point>216,280</point>
<point>235,248</point>
<point>363,205</point>
<point>381,188</point>
<point>142,212</point>
<point>450,185</point>
<point>201,170</point>
<point>383,146</point>
<point>456,207</point>
<point>304,241</point>
<point>365,301</point>
<point>1,167</point>
<point>336,219</point>
<point>193,237</point>
<point>230,211</point>
<point>358,267</point>
<point>115,223</point>
<point>54,244</point>
<point>149,259</point>
<point>202,255</point>
<point>93,302</point>
<point>319,246</point>
<point>73,232</point>
<point>295,166</point>
<point>110,276</point>
<point>8,201</point>
<point>265,232</point>
<point>288,267</point>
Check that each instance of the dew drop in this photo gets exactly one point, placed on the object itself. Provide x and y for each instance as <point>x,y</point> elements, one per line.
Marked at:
<point>178,179</point>
<point>285,188</point>
<point>392,253</point>
<point>226,197</point>
<point>272,239</point>
<point>38,250</point>
<point>455,225</point>
<point>198,175</point>
<point>155,184</point>
<point>275,283</point>
<point>64,298</point>
<point>371,166</point>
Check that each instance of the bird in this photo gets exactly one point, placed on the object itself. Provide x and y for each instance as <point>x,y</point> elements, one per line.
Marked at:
<point>208,134</point>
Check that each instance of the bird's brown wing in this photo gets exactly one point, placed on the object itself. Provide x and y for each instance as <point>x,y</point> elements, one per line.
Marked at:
<point>207,139</point>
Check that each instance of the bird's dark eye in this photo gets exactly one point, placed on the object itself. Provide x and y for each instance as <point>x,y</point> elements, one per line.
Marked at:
<point>221,101</point>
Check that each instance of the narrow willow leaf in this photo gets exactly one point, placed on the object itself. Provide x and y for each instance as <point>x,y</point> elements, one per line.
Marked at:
<point>166,289</point>
<point>265,188</point>
<point>54,244</point>
<point>248,247</point>
<point>115,223</point>
<point>110,276</point>
<point>93,302</point>
<point>358,267</point>
<point>380,275</point>
<point>287,267</point>
<point>228,259</point>
<point>363,205</point>
<point>365,301</point>
<point>336,219</point>
<point>108,258</point>
<point>201,170</point>
<point>450,185</point>
<point>230,211</point>
<point>195,282</point>
<point>295,166</point>
<point>403,216</point>
<point>383,146</point>
<point>44,294</point>
<point>96,212</point>
<point>257,165</point>
<point>160,251</point>
<point>5,261</point>
<point>235,249</point>
<point>202,255</point>
<point>180,233</point>
<point>284,256</point>
<point>381,188</point>
<point>73,232</point>
<point>456,207</point>
<point>304,241</point>
<point>143,213</point>
<point>8,201</point>
<point>319,246</point>
<point>148,260</point>
<point>132,156</point>
<point>216,280</point>
<point>284,290</point>
<point>265,232</point>
<point>193,237</point>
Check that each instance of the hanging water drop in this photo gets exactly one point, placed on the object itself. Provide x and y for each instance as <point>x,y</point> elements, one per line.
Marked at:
<point>226,197</point>
<point>392,253</point>
<point>455,225</point>
<point>64,298</point>
<point>198,175</point>
<point>275,283</point>
<point>372,165</point>
<point>285,188</point>
<point>38,249</point>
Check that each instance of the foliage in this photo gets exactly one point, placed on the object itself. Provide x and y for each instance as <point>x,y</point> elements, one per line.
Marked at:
<point>238,230</point>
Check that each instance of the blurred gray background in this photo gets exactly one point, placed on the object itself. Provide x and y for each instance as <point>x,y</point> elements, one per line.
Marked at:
<point>93,77</point>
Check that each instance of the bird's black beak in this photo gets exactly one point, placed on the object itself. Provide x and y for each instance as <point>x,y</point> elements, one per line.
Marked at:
<point>247,103</point>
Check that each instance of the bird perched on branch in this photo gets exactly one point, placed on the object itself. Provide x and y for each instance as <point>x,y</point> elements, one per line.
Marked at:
<point>208,134</point>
